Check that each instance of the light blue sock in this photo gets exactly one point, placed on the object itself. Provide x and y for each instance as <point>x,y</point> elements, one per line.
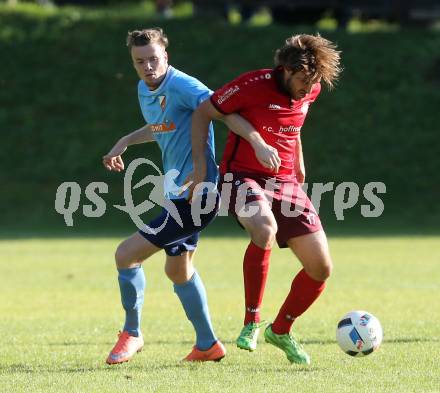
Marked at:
<point>192,295</point>
<point>132,285</point>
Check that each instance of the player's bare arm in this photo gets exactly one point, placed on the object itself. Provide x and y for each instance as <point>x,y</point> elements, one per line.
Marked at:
<point>202,116</point>
<point>301,169</point>
<point>113,160</point>
<point>267,155</point>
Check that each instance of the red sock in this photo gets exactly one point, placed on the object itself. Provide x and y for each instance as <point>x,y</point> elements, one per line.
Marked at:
<point>303,292</point>
<point>255,268</point>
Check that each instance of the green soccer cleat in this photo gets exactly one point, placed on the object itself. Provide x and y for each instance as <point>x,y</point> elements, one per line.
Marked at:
<point>293,350</point>
<point>249,335</point>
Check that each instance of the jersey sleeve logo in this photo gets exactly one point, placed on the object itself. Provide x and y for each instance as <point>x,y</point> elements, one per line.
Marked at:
<point>227,94</point>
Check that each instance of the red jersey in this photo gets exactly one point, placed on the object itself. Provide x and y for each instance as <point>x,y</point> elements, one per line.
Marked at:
<point>275,115</point>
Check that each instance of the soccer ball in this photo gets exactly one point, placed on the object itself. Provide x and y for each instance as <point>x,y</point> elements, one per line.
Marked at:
<point>359,333</point>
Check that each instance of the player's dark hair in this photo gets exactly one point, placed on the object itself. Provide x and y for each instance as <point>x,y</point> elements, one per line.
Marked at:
<point>154,35</point>
<point>318,56</point>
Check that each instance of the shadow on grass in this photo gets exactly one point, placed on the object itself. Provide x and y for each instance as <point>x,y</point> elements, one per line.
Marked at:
<point>21,368</point>
<point>403,340</point>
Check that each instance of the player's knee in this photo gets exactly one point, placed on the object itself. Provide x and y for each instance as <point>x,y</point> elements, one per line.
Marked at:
<point>171,272</point>
<point>179,272</point>
<point>176,275</point>
<point>322,270</point>
<point>326,270</point>
<point>264,235</point>
<point>122,256</point>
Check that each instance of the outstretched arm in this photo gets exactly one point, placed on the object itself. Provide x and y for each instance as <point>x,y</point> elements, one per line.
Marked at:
<point>113,160</point>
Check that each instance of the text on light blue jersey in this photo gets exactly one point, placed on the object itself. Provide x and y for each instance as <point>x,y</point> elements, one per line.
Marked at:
<point>169,109</point>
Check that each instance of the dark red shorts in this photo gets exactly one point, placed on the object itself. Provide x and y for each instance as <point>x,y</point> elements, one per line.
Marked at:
<point>292,209</point>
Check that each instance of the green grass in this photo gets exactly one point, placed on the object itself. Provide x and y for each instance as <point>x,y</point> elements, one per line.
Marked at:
<point>60,311</point>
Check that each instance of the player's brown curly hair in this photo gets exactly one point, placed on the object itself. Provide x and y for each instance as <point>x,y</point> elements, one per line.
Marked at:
<point>314,53</point>
<point>147,36</point>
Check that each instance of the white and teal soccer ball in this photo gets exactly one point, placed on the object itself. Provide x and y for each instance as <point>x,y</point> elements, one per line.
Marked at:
<point>359,333</point>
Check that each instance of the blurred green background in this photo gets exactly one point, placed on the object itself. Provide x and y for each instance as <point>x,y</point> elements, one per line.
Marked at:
<point>68,92</point>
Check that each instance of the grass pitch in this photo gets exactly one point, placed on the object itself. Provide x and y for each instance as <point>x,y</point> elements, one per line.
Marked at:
<point>60,312</point>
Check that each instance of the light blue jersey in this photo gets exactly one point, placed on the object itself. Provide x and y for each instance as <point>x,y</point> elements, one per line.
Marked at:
<point>168,109</point>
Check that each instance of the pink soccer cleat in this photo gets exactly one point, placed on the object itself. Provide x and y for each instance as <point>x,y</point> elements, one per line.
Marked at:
<point>125,348</point>
<point>216,353</point>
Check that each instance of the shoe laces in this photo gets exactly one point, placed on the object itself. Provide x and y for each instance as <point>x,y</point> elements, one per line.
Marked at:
<point>122,341</point>
<point>294,342</point>
<point>250,328</point>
